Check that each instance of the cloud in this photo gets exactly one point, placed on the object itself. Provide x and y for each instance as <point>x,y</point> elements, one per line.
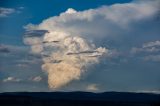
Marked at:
<point>149,47</point>
<point>92,87</point>
<point>22,65</point>
<point>101,20</point>
<point>12,48</point>
<point>11,79</point>
<point>151,44</point>
<point>18,56</point>
<point>30,59</point>
<point>36,79</point>
<point>73,41</point>
<point>4,12</point>
<point>34,33</point>
<point>71,11</point>
<point>155,58</point>
<point>150,51</point>
<point>72,66</point>
<point>21,7</point>
<point>4,49</point>
<point>14,79</point>
<point>73,53</point>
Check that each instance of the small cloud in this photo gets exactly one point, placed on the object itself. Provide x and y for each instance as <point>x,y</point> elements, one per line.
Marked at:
<point>13,49</point>
<point>22,65</point>
<point>4,49</point>
<point>92,87</point>
<point>4,12</point>
<point>28,61</point>
<point>21,8</point>
<point>11,79</point>
<point>36,79</point>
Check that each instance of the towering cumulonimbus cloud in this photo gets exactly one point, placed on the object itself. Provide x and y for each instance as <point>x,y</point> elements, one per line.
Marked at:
<point>66,62</point>
<point>66,56</point>
<point>65,41</point>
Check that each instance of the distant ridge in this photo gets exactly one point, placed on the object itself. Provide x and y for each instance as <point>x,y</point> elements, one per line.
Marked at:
<point>78,98</point>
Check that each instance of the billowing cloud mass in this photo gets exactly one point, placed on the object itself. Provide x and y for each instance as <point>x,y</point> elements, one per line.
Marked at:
<point>65,56</point>
<point>69,43</point>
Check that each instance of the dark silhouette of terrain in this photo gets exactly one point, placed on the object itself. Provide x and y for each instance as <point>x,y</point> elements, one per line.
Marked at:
<point>78,99</point>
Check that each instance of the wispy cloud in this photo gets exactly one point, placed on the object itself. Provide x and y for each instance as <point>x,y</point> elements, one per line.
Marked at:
<point>149,47</point>
<point>11,79</point>
<point>149,51</point>
<point>36,79</point>
<point>13,48</point>
<point>21,65</point>
<point>4,49</point>
<point>4,12</point>
<point>155,58</point>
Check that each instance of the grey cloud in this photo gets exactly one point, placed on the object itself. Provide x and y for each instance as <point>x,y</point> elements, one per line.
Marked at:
<point>149,47</point>
<point>22,65</point>
<point>18,56</point>
<point>155,58</point>
<point>13,49</point>
<point>149,51</point>
<point>36,79</point>
<point>28,61</point>
<point>15,79</point>
<point>4,49</point>
<point>83,52</point>
<point>34,33</point>
<point>151,44</point>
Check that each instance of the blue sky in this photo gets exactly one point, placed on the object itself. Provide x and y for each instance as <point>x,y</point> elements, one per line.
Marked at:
<point>103,45</point>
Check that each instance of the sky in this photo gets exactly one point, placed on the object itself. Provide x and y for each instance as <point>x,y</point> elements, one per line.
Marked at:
<point>80,45</point>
